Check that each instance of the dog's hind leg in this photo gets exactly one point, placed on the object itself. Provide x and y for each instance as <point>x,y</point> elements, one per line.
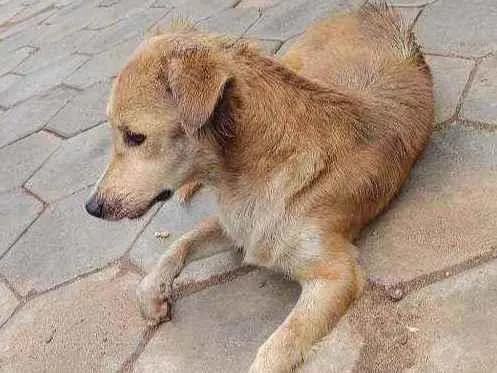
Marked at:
<point>328,288</point>
<point>154,291</point>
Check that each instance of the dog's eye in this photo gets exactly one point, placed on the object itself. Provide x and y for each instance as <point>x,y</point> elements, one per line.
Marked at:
<point>134,139</point>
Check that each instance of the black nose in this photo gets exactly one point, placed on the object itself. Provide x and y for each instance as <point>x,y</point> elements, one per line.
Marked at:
<point>164,195</point>
<point>95,206</point>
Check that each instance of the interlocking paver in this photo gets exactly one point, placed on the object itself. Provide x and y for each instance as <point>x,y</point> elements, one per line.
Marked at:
<point>31,115</point>
<point>105,65</point>
<point>11,60</point>
<point>76,164</point>
<point>68,242</point>
<point>42,80</point>
<point>481,101</point>
<point>174,219</point>
<point>17,211</point>
<point>193,9</point>
<point>233,22</point>
<point>84,111</point>
<point>290,18</point>
<point>21,159</point>
<point>269,46</point>
<point>450,76</point>
<point>92,325</point>
<point>444,216</point>
<point>220,328</point>
<point>7,81</point>
<point>454,323</point>
<point>455,26</point>
<point>8,302</point>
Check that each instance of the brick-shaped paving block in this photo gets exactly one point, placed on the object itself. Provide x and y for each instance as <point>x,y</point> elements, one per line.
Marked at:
<point>446,213</point>
<point>21,159</point>
<point>258,3</point>
<point>105,65</point>
<point>9,61</point>
<point>66,242</point>
<point>233,22</point>
<point>450,76</point>
<point>42,80</point>
<point>31,115</point>
<point>453,26</point>
<point>290,18</point>
<point>17,211</point>
<point>107,13</point>
<point>84,111</point>
<point>91,325</point>
<point>76,164</point>
<point>192,10</point>
<point>453,322</point>
<point>8,303</point>
<point>481,101</point>
<point>175,220</point>
<point>269,46</point>
<point>7,81</point>
<point>221,328</point>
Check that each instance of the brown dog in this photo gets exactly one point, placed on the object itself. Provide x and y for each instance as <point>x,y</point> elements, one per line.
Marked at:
<point>302,154</point>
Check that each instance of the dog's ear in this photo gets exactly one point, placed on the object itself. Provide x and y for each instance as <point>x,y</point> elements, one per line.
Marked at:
<point>197,82</point>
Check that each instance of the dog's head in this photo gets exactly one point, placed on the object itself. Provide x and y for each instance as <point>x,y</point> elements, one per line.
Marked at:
<point>158,105</point>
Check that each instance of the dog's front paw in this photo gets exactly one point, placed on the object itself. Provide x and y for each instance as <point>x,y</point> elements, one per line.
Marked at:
<point>153,300</point>
<point>186,192</point>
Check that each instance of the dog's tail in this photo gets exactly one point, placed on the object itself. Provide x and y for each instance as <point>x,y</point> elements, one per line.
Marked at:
<point>395,30</point>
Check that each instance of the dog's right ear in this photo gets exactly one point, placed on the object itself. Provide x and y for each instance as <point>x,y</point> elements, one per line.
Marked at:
<point>197,82</point>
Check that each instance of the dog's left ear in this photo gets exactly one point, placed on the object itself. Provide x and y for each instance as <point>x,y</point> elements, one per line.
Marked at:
<point>197,83</point>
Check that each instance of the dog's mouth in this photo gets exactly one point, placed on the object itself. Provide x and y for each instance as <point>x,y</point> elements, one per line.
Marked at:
<point>117,210</point>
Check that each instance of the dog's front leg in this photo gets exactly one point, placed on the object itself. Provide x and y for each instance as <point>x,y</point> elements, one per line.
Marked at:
<point>154,291</point>
<point>329,286</point>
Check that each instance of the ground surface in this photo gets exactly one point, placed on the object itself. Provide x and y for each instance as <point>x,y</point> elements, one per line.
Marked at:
<point>67,281</point>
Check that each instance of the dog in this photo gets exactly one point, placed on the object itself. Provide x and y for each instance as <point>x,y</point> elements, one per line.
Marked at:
<point>301,152</point>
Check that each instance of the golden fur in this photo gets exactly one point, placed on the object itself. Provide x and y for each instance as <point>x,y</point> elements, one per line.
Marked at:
<point>301,152</point>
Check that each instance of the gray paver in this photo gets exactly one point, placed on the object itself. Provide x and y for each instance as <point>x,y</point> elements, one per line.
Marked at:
<point>258,3</point>
<point>233,22</point>
<point>105,65</point>
<point>92,325</point>
<point>452,324</point>
<point>110,12</point>
<point>451,26</point>
<point>290,18</point>
<point>8,302</point>
<point>7,81</point>
<point>481,101</point>
<point>17,211</point>
<point>450,76</point>
<point>31,115</point>
<point>68,243</point>
<point>11,60</point>
<point>84,111</point>
<point>287,45</point>
<point>76,164</point>
<point>174,219</point>
<point>19,160</point>
<point>442,217</point>
<point>269,46</point>
<point>41,80</point>
<point>220,329</point>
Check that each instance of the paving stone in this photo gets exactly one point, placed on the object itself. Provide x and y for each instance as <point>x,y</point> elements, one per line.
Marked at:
<point>174,219</point>
<point>8,303</point>
<point>269,46</point>
<point>41,80</point>
<point>287,45</point>
<point>33,10</point>
<point>111,12</point>
<point>69,242</point>
<point>338,352</point>
<point>451,26</point>
<point>51,53</point>
<point>233,22</point>
<point>105,65</point>
<point>290,18</point>
<point>7,81</point>
<point>19,160</point>
<point>452,323</point>
<point>450,76</point>
<point>411,3</point>
<point>92,325</point>
<point>84,111</point>
<point>258,3</point>
<point>481,101</point>
<point>78,163</point>
<point>17,211</point>
<point>31,115</point>
<point>136,25</point>
<point>11,60</point>
<point>9,10</point>
<point>220,329</point>
<point>442,217</point>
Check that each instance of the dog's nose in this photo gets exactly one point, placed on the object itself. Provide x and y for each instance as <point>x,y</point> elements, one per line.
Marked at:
<point>95,206</point>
